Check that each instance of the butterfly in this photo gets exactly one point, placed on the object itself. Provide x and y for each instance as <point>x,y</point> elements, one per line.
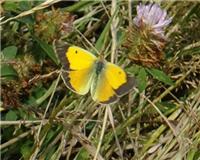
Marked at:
<point>84,72</point>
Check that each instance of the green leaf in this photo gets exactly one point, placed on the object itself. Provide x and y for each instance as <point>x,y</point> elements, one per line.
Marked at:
<point>197,155</point>
<point>79,5</point>
<point>90,125</point>
<point>11,116</point>
<point>25,5</point>
<point>28,20</point>
<point>38,91</point>
<point>10,52</point>
<point>166,107</point>
<point>46,94</point>
<point>48,49</point>
<point>101,42</point>
<point>50,135</point>
<point>26,149</point>
<point>121,35</point>
<point>7,71</point>
<point>134,69</point>
<point>30,101</point>
<point>167,104</point>
<point>82,155</point>
<point>161,76</point>
<point>50,152</point>
<point>10,6</point>
<point>142,79</point>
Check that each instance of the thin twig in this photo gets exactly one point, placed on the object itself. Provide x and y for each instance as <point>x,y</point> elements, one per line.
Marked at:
<point>168,90</point>
<point>110,115</point>
<point>58,79</point>
<point>128,130</point>
<point>105,9</point>
<point>152,103</point>
<point>165,119</point>
<point>33,156</point>
<point>40,77</point>
<point>14,140</point>
<point>130,12</point>
<point>25,13</point>
<point>87,41</point>
<point>86,143</point>
<point>21,122</point>
<point>102,133</point>
<point>178,24</point>
<point>114,31</point>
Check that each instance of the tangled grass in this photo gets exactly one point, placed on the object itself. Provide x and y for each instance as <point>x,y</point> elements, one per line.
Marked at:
<point>42,119</point>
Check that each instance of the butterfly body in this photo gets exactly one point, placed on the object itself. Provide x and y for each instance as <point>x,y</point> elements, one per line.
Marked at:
<point>84,72</point>
<point>99,66</point>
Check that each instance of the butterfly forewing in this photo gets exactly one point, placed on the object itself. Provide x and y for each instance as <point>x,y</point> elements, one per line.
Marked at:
<point>79,58</point>
<point>78,65</point>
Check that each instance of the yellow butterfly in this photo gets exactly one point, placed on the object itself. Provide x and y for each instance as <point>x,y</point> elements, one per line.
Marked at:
<point>83,72</point>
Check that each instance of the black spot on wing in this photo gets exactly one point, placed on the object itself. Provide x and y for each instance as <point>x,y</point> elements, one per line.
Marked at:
<point>61,49</point>
<point>126,87</point>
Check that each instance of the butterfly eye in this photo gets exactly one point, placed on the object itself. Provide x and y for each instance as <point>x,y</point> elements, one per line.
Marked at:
<point>119,72</point>
<point>76,52</point>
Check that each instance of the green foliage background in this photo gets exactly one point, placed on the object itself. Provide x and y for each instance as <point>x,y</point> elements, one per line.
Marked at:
<point>42,119</point>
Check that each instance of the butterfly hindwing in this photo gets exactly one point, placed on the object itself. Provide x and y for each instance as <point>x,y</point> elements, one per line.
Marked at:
<point>118,79</point>
<point>112,83</point>
<point>101,91</point>
<point>78,81</point>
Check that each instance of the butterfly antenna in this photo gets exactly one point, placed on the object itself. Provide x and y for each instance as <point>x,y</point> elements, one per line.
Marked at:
<point>88,41</point>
